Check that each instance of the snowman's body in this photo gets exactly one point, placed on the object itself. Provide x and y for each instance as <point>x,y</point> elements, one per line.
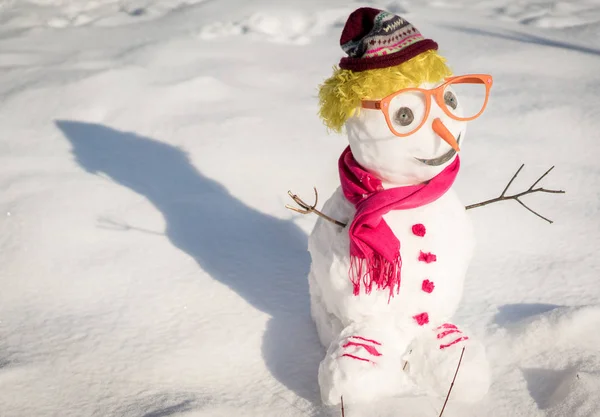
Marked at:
<point>387,324</point>
<point>448,235</point>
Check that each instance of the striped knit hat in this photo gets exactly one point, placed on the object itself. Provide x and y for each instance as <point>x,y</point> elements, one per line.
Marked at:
<point>377,39</point>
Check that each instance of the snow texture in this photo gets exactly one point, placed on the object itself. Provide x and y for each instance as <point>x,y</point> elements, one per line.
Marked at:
<point>147,265</point>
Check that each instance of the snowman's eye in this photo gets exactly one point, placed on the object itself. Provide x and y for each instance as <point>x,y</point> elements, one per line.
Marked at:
<point>404,116</point>
<point>450,100</point>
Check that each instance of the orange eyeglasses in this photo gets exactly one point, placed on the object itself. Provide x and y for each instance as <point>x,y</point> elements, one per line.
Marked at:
<point>407,110</point>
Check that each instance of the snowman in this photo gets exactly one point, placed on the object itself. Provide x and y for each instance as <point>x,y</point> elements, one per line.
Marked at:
<point>387,279</point>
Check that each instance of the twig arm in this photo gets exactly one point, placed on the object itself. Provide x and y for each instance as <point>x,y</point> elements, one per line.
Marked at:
<point>541,178</point>
<point>306,209</point>
<point>534,212</point>
<point>511,180</point>
<point>516,197</point>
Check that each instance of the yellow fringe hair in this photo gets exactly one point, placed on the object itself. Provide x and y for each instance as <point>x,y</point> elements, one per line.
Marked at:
<point>340,95</point>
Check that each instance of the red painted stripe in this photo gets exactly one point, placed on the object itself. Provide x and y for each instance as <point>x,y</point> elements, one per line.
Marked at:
<point>447,332</point>
<point>366,340</point>
<point>356,357</point>
<point>373,351</point>
<point>460,339</point>
<point>447,326</point>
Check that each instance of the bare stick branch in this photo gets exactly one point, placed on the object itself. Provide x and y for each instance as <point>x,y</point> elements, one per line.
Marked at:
<point>530,190</point>
<point>297,210</point>
<point>534,212</point>
<point>541,178</point>
<point>306,209</point>
<point>343,414</point>
<point>406,362</point>
<point>511,180</point>
<point>453,380</point>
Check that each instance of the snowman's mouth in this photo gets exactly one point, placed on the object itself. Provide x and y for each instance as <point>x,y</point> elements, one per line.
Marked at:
<point>440,159</point>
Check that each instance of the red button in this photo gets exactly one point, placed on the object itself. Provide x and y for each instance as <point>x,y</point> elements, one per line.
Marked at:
<point>428,286</point>
<point>419,230</point>
<point>427,257</point>
<point>422,319</point>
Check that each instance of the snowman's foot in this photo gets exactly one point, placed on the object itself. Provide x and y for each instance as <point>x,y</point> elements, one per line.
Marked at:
<point>434,359</point>
<point>362,365</point>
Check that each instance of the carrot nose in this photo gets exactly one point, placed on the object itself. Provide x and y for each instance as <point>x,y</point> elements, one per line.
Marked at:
<point>440,128</point>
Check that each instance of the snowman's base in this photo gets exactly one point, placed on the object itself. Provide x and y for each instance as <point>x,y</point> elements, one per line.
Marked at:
<point>363,364</point>
<point>367,363</point>
<point>432,368</point>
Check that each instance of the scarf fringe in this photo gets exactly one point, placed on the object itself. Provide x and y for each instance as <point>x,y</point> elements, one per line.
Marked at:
<point>376,271</point>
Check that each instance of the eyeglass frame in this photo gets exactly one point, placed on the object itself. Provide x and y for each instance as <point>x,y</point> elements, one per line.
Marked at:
<point>438,94</point>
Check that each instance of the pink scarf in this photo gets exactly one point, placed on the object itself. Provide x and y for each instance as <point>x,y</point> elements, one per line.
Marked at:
<point>374,249</point>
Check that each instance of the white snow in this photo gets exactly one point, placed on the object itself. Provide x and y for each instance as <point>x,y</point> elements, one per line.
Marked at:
<point>147,265</point>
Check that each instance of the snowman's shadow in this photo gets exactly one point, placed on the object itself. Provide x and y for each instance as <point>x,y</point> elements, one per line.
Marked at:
<point>512,313</point>
<point>260,257</point>
<point>517,36</point>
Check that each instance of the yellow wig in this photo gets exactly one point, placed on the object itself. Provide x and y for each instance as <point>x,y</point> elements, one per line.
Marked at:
<point>340,95</point>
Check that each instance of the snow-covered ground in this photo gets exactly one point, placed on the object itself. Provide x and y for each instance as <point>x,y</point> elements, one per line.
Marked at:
<point>147,265</point>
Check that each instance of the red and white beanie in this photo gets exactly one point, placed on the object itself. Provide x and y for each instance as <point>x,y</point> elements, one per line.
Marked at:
<point>375,38</point>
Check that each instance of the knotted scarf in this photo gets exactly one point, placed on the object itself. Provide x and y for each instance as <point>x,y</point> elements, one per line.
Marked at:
<point>374,248</point>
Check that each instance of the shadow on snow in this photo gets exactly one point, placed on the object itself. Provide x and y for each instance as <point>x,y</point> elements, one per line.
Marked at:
<point>260,257</point>
<point>526,38</point>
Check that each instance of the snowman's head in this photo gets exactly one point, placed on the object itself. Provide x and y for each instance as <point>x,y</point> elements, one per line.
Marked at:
<point>411,135</point>
<point>405,115</point>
